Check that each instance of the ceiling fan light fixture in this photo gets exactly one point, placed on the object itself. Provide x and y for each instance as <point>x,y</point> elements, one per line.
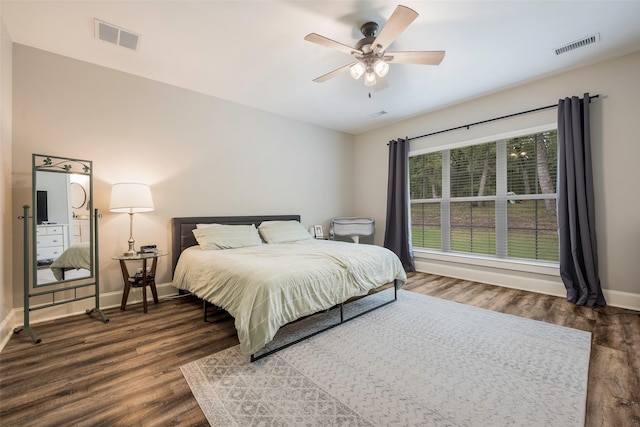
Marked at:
<point>370,78</point>
<point>370,55</point>
<point>381,68</point>
<point>357,70</point>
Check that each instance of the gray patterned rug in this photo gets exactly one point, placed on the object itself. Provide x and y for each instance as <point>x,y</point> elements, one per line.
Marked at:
<point>419,361</point>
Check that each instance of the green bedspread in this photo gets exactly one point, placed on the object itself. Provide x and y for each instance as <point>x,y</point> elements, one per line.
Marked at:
<point>265,287</point>
<point>73,258</point>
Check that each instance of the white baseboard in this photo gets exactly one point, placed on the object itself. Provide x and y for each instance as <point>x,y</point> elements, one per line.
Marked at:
<point>107,300</point>
<point>622,299</point>
<point>6,328</point>
<point>526,281</point>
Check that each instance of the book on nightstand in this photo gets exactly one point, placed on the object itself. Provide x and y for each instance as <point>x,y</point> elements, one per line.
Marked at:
<point>148,249</point>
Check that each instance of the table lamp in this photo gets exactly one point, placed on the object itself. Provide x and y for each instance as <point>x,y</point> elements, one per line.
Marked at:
<point>131,198</point>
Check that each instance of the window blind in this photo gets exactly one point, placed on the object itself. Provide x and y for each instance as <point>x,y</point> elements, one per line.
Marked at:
<point>495,199</point>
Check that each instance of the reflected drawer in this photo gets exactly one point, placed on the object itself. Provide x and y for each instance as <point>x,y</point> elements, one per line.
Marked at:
<point>46,241</point>
<point>49,253</point>
<point>49,229</point>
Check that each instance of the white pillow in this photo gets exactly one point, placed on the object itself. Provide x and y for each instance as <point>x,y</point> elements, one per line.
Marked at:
<point>221,236</point>
<point>283,231</point>
<point>205,225</point>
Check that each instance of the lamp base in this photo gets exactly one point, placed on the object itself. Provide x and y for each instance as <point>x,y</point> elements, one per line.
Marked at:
<point>131,251</point>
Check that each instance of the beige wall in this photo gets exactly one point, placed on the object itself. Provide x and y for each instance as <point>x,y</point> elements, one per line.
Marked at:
<point>206,156</point>
<point>6,288</point>
<point>201,155</point>
<point>615,150</point>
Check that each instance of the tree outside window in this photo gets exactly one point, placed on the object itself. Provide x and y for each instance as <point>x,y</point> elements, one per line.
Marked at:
<point>496,198</point>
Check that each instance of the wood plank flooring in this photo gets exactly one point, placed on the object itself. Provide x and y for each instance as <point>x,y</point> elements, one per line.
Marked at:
<point>126,372</point>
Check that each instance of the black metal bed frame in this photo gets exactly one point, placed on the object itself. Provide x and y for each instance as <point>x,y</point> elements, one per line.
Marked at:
<point>182,238</point>
<point>254,357</point>
<point>342,320</point>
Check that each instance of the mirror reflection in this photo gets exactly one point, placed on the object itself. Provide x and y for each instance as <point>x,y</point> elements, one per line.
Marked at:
<point>78,195</point>
<point>62,220</point>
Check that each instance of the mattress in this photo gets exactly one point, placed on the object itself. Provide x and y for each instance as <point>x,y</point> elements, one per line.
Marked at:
<point>267,286</point>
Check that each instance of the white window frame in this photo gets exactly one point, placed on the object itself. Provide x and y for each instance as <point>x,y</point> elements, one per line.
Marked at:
<point>529,265</point>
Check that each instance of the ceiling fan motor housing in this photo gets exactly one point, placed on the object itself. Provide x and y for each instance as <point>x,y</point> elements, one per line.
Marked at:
<point>365,44</point>
<point>369,29</point>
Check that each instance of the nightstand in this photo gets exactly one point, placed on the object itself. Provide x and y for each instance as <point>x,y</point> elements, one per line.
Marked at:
<point>139,280</point>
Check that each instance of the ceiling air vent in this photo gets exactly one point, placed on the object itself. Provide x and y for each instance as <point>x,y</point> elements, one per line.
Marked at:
<point>116,35</point>
<point>594,38</point>
<point>378,114</point>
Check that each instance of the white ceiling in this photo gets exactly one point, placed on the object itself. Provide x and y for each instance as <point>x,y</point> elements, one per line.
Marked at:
<point>253,52</point>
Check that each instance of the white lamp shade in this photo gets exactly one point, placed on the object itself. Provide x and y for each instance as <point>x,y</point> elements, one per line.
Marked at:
<point>381,68</point>
<point>357,70</point>
<point>131,197</point>
<point>370,78</point>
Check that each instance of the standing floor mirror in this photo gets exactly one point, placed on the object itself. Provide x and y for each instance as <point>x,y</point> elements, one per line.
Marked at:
<point>60,237</point>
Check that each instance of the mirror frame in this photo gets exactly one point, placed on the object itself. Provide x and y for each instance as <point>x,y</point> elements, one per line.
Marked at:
<point>63,165</point>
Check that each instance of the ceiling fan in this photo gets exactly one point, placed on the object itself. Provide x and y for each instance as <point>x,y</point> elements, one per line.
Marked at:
<point>370,53</point>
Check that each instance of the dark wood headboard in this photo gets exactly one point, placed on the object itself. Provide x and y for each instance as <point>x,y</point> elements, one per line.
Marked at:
<point>182,235</point>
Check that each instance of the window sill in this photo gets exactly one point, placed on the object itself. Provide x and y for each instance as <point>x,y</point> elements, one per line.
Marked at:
<point>537,267</point>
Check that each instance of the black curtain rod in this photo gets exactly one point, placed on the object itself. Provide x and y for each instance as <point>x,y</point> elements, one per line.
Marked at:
<point>492,120</point>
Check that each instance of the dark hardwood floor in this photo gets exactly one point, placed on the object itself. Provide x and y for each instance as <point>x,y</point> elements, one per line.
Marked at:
<point>126,372</point>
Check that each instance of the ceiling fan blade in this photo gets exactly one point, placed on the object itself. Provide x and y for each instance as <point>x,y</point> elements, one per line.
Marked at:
<point>434,57</point>
<point>333,73</point>
<point>397,23</point>
<point>323,41</point>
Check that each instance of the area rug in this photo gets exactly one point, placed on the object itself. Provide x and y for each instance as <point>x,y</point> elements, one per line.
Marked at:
<point>419,361</point>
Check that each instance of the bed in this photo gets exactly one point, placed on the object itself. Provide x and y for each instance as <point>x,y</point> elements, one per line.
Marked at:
<point>74,257</point>
<point>282,277</point>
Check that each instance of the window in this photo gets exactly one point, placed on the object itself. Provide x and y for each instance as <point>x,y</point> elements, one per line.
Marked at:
<point>496,198</point>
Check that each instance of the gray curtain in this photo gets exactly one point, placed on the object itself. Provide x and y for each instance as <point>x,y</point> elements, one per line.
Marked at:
<point>397,236</point>
<point>576,207</point>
